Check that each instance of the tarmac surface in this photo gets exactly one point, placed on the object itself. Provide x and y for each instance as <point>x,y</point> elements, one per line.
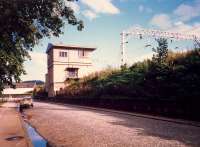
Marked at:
<point>71,126</point>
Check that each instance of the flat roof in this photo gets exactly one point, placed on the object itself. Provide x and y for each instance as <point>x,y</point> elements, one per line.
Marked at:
<point>71,47</point>
<point>22,85</point>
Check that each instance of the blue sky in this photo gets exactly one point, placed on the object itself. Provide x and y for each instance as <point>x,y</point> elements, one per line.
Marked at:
<point>104,20</point>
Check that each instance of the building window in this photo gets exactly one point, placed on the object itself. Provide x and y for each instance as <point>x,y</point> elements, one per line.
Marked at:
<point>82,53</point>
<point>63,54</point>
<point>72,72</point>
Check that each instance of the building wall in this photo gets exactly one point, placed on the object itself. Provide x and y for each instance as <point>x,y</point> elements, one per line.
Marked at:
<point>46,82</point>
<point>51,91</point>
<point>57,67</point>
<point>85,70</point>
<point>72,56</point>
<point>59,72</point>
<point>49,81</point>
<point>17,91</point>
<point>50,58</point>
<point>50,68</point>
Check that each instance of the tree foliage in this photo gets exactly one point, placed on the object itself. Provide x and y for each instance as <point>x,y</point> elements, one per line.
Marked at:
<point>161,51</point>
<point>176,78</point>
<point>23,23</point>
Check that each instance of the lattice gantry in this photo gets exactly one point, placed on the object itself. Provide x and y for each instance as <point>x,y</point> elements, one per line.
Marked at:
<point>152,33</point>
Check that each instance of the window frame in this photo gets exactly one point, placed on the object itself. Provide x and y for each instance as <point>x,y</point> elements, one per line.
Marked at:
<point>63,54</point>
<point>72,71</point>
<point>82,53</point>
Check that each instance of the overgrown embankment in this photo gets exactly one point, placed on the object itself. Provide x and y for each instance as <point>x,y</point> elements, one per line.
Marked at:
<point>169,85</point>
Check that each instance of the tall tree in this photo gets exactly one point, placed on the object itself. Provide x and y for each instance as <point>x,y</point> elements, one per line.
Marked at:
<point>161,51</point>
<point>23,23</point>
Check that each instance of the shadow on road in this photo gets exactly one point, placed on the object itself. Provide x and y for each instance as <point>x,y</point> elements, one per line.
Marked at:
<point>189,135</point>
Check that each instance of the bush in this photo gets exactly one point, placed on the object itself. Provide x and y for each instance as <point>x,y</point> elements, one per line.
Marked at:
<point>39,91</point>
<point>177,78</point>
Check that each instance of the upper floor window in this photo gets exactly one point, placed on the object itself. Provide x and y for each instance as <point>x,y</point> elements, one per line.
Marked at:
<point>63,54</point>
<point>82,53</point>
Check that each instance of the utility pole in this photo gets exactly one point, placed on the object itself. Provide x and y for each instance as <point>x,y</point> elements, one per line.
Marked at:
<point>122,44</point>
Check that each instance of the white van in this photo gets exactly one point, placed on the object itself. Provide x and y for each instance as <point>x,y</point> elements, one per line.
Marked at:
<point>26,102</point>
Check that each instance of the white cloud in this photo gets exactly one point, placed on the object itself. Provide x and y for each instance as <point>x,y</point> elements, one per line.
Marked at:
<point>101,6</point>
<point>73,5</point>
<point>176,22</point>
<point>181,27</point>
<point>94,7</point>
<point>36,68</point>
<point>89,14</point>
<point>187,12</point>
<point>143,8</point>
<point>162,21</point>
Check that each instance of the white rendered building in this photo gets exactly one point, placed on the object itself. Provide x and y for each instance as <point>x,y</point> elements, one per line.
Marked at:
<point>21,90</point>
<point>66,62</point>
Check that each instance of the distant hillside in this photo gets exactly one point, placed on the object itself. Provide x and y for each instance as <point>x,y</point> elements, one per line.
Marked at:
<point>38,82</point>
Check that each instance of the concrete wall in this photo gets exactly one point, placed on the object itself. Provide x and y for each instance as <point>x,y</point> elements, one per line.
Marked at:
<point>51,91</point>
<point>72,56</point>
<point>57,67</point>
<point>46,82</point>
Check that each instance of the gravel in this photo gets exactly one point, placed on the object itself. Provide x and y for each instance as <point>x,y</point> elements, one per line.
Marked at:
<point>70,126</point>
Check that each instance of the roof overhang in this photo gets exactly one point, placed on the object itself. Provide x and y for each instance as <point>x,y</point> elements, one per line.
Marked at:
<point>68,47</point>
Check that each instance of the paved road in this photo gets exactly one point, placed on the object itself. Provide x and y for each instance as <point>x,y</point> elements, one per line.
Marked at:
<point>78,127</point>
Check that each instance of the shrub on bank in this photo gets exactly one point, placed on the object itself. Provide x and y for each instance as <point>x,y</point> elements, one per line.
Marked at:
<point>39,91</point>
<point>178,78</point>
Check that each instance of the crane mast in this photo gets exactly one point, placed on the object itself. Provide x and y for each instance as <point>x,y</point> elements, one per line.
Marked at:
<point>151,33</point>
